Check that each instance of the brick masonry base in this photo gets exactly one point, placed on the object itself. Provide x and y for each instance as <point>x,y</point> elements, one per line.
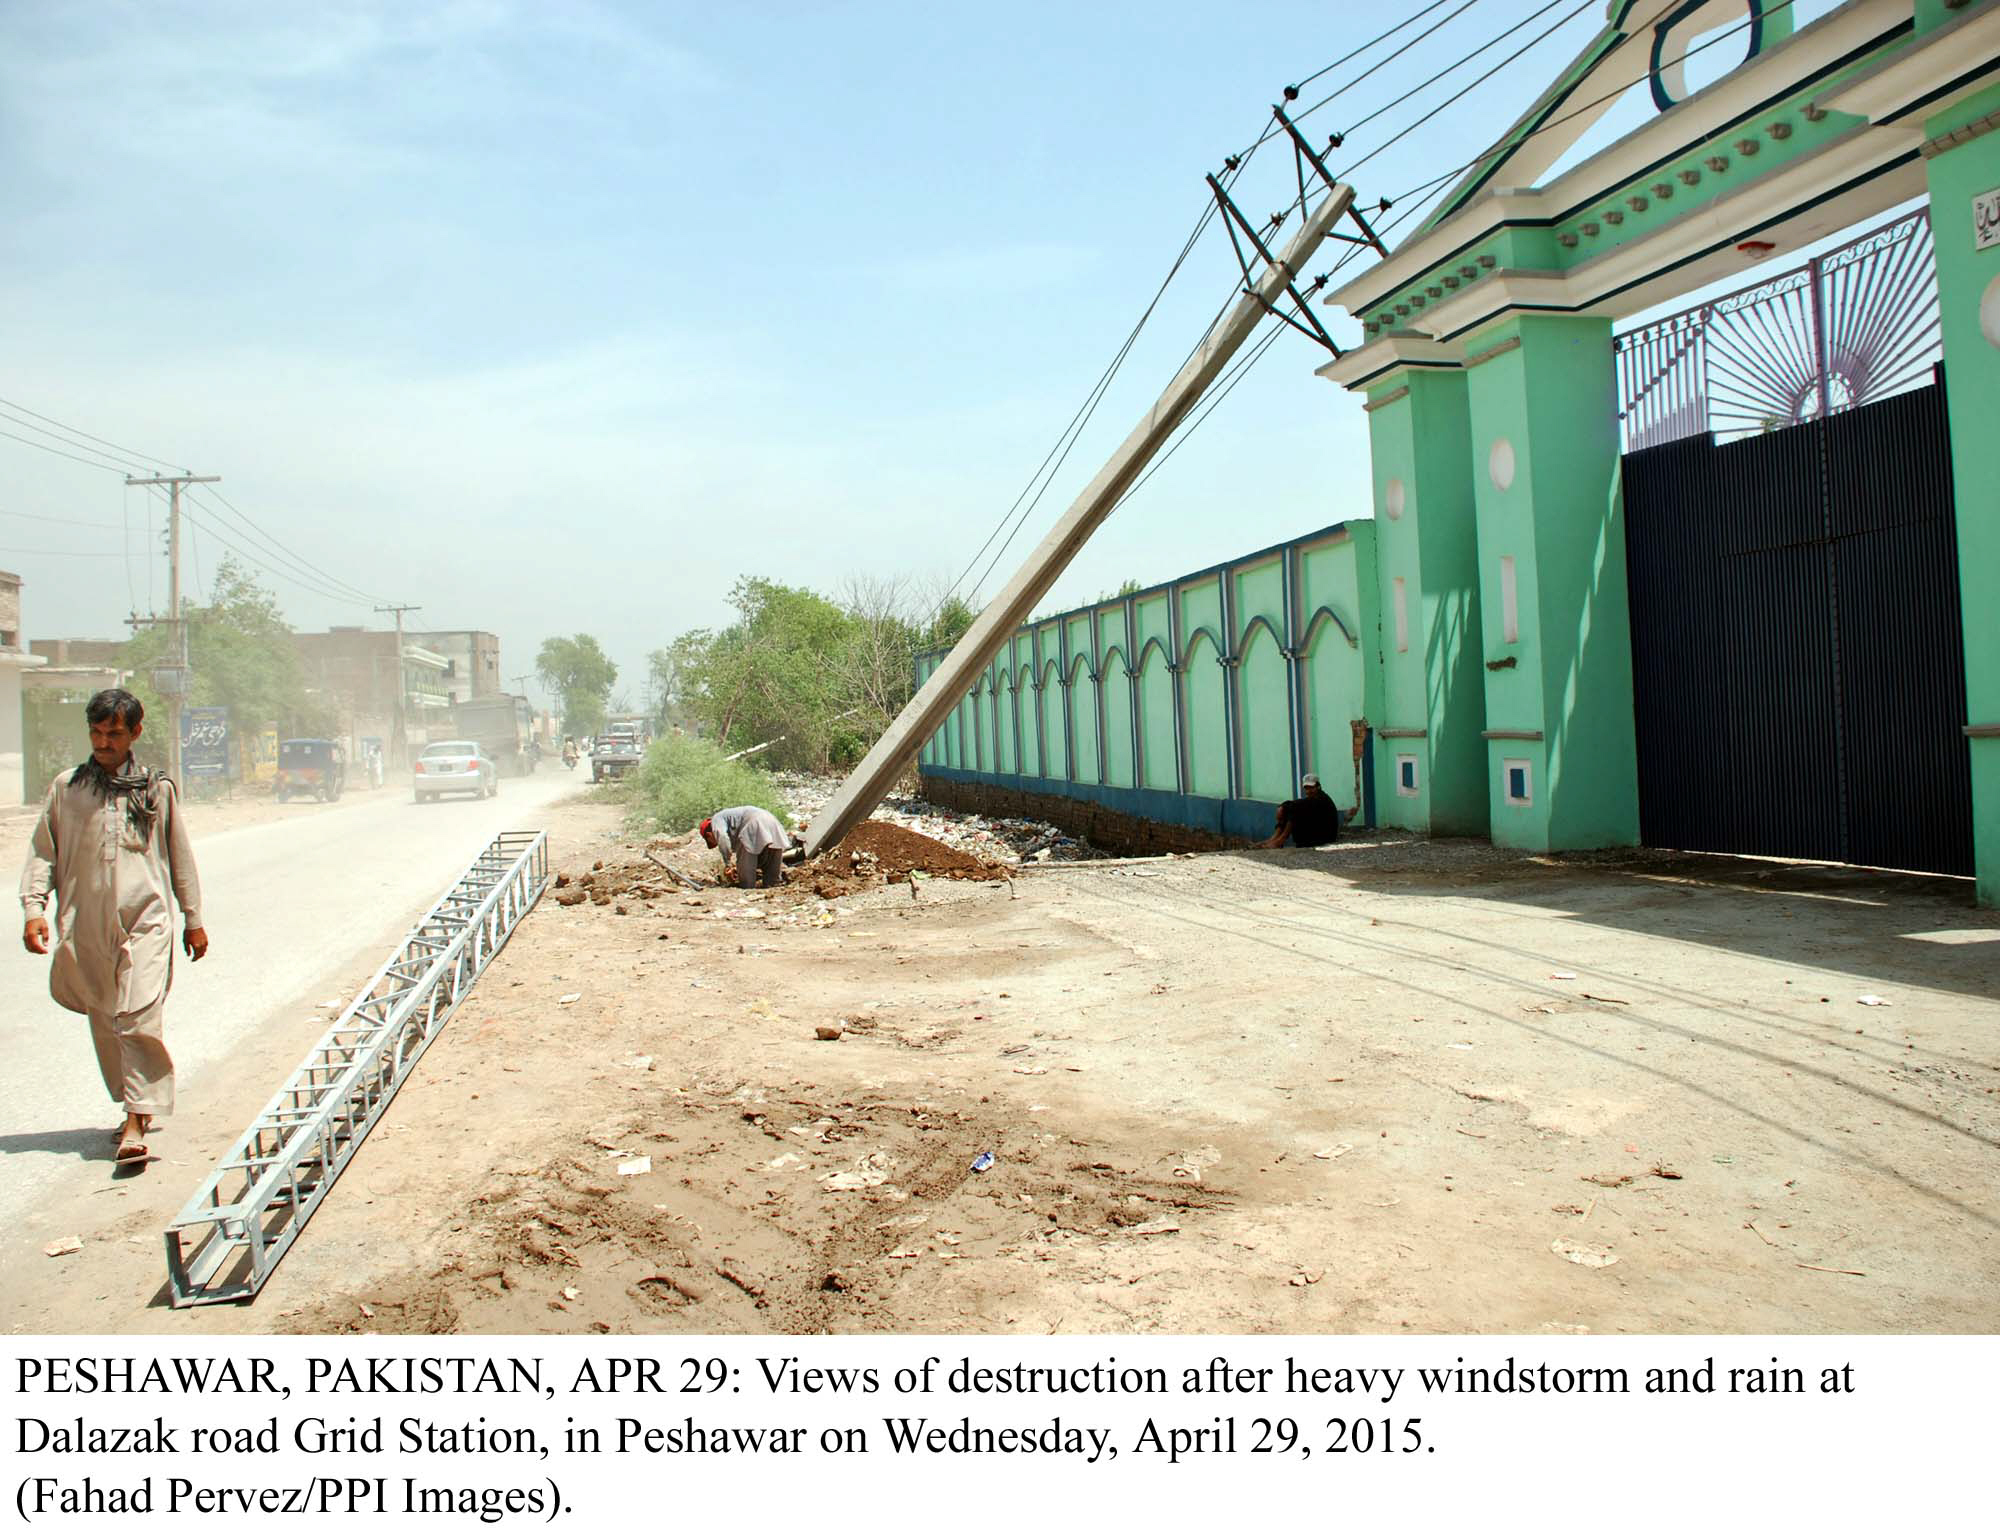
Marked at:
<point>1122,833</point>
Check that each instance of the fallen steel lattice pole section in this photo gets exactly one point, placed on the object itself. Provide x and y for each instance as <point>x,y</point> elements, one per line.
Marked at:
<point>234,1231</point>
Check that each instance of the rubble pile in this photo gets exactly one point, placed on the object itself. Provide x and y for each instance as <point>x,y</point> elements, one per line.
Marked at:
<point>876,852</point>
<point>995,841</point>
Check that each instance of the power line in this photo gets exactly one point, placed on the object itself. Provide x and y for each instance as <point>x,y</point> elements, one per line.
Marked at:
<point>145,459</point>
<point>1380,38</point>
<point>44,518</point>
<point>87,555</point>
<point>265,564</point>
<point>1339,91</point>
<point>292,565</point>
<point>51,449</point>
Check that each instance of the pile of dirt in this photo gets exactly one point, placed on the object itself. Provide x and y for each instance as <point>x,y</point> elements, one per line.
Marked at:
<point>874,853</point>
<point>606,881</point>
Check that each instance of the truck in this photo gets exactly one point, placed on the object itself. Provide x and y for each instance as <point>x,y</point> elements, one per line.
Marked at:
<point>618,747</point>
<point>502,725</point>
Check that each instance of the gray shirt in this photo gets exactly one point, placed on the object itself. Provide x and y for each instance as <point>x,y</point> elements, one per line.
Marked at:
<point>745,831</point>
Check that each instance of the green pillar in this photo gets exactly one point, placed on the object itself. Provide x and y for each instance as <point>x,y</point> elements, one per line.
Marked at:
<point>1560,767</point>
<point>1969,301</point>
<point>1428,583</point>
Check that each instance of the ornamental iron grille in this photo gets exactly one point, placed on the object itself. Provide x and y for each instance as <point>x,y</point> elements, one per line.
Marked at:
<point>1856,325</point>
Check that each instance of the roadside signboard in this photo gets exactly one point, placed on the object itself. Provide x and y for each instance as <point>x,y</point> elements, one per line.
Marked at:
<point>1986,220</point>
<point>205,741</point>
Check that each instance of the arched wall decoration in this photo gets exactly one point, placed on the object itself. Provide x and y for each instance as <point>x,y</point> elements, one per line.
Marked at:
<point>1322,616</point>
<point>1257,623</point>
<point>1200,631</point>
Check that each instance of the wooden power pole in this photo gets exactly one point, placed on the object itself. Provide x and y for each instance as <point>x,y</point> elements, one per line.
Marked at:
<point>174,674</point>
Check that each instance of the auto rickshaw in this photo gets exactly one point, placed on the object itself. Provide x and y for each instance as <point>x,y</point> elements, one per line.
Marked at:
<point>311,766</point>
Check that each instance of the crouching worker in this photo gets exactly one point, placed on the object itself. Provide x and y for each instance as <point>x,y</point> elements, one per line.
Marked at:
<point>1309,822</point>
<point>750,840</point>
<point>112,850</point>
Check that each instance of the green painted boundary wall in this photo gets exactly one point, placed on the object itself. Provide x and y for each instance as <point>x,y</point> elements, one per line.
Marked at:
<point>1199,702</point>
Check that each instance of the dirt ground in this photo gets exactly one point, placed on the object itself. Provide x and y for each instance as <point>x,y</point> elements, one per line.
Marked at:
<point>1391,1086</point>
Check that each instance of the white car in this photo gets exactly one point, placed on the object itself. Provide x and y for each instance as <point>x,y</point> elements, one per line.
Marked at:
<point>455,767</point>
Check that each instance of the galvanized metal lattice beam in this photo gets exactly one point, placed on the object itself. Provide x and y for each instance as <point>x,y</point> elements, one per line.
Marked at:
<point>233,1232</point>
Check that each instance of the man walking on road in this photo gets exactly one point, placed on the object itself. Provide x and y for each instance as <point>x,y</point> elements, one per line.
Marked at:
<point>751,840</point>
<point>111,847</point>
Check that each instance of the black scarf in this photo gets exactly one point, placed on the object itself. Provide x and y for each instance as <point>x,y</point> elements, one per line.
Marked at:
<point>141,791</point>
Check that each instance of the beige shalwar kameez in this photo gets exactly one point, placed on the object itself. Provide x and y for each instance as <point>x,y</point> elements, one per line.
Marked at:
<point>114,926</point>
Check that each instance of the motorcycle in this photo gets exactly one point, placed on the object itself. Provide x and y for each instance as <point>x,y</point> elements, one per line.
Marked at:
<point>569,758</point>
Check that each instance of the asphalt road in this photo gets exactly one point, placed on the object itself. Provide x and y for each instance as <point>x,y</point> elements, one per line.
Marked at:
<point>292,907</point>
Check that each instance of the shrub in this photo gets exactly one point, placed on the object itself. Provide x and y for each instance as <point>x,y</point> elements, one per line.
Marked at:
<point>684,779</point>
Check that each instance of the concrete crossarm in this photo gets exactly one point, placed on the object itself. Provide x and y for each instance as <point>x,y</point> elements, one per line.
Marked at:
<point>940,694</point>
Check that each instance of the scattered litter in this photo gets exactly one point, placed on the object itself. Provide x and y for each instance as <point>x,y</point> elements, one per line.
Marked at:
<point>329,1004</point>
<point>904,1255</point>
<point>1563,975</point>
<point>1665,1173</point>
<point>642,1061</point>
<point>1871,999</point>
<point>1459,1047</point>
<point>1031,1069</point>
<point>68,1245</point>
<point>572,1294</point>
<point>366,1312</point>
<point>983,1163</point>
<point>1582,1254</point>
<point>1606,999</point>
<point>1333,1153</point>
<point>787,1158</point>
<point>1305,1279</point>
<point>871,1171</point>
<point>1724,1159</point>
<point>1843,1271</point>
<point>1751,1225</point>
<point>1155,1226</point>
<point>828,1033</point>
<point>1608,1178</point>
<point>569,999</point>
<point>638,1167</point>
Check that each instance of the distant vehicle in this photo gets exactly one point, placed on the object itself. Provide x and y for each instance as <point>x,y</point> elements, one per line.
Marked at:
<point>459,767</point>
<point>617,748</point>
<point>311,766</point>
<point>503,725</point>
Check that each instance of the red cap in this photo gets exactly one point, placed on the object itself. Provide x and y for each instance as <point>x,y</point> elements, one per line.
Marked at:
<point>705,822</point>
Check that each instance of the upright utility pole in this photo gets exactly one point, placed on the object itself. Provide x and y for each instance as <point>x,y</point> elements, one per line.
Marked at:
<point>399,738</point>
<point>178,670</point>
<point>942,692</point>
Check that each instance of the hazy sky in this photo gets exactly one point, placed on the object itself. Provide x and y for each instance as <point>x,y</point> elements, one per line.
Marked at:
<point>561,316</point>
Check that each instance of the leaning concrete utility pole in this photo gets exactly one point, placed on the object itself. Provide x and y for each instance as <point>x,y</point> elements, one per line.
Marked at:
<point>177,671</point>
<point>941,693</point>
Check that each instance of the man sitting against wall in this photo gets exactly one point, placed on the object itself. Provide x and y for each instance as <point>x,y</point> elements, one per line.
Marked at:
<point>1307,823</point>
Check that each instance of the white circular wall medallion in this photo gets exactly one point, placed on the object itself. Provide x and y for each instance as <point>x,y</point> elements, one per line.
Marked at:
<point>1392,499</point>
<point>1989,312</point>
<point>1500,464</point>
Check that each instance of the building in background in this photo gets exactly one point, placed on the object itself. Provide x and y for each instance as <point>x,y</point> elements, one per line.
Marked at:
<point>359,674</point>
<point>472,661</point>
<point>14,658</point>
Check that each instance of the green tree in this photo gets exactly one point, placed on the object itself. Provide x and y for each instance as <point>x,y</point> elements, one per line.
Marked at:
<point>243,655</point>
<point>575,670</point>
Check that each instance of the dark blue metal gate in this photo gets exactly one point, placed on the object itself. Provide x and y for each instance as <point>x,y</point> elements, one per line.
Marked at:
<point>1798,674</point>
